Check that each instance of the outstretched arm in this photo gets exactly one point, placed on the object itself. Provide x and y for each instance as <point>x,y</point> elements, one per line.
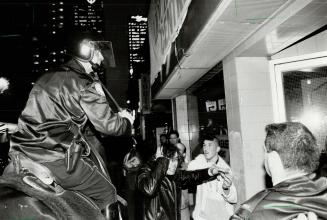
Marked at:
<point>186,179</point>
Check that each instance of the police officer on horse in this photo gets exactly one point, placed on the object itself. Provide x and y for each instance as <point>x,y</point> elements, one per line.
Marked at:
<point>57,128</point>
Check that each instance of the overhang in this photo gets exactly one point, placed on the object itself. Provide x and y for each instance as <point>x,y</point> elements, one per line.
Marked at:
<point>244,28</point>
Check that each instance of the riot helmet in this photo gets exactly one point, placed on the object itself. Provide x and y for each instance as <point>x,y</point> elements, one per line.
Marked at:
<point>82,45</point>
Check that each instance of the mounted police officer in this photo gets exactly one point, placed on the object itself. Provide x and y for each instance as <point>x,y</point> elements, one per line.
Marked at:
<point>57,128</point>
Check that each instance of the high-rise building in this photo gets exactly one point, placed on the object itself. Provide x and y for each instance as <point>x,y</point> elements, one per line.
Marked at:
<point>137,35</point>
<point>48,30</point>
<point>138,61</point>
<point>58,18</point>
<point>89,15</point>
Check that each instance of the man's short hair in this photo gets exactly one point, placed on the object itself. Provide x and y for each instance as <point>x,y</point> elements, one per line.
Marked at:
<point>209,137</point>
<point>169,150</point>
<point>295,144</point>
<point>175,132</point>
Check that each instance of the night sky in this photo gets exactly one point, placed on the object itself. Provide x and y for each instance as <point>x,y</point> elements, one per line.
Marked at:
<point>17,22</point>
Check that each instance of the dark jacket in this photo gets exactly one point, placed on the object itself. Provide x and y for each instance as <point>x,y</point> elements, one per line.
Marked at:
<point>61,105</point>
<point>287,199</point>
<point>160,194</point>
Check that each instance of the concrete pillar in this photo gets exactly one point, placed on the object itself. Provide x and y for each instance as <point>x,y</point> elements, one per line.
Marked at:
<point>187,119</point>
<point>249,110</point>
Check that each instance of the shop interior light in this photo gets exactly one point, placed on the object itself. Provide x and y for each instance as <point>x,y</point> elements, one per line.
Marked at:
<point>308,70</point>
<point>4,84</point>
<point>312,118</point>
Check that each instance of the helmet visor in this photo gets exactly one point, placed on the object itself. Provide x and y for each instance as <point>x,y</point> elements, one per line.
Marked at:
<point>106,50</point>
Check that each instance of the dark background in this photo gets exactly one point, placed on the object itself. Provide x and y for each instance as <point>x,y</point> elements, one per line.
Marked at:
<point>21,20</point>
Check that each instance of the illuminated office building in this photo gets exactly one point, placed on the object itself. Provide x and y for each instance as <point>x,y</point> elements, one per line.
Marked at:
<point>89,15</point>
<point>47,45</point>
<point>53,22</point>
<point>137,34</point>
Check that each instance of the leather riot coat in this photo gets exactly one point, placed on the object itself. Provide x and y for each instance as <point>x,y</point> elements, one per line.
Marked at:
<point>61,105</point>
<point>287,199</point>
<point>160,194</point>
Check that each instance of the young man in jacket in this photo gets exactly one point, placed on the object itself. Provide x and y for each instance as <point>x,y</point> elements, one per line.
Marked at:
<point>58,124</point>
<point>214,199</point>
<point>291,157</point>
<point>160,185</point>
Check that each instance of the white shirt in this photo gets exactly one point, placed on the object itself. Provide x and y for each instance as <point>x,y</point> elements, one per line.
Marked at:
<point>211,201</point>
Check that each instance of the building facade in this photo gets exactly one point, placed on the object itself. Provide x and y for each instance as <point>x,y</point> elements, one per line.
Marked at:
<point>273,55</point>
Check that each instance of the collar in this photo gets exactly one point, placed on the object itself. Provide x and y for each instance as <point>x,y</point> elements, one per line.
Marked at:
<point>214,162</point>
<point>74,65</point>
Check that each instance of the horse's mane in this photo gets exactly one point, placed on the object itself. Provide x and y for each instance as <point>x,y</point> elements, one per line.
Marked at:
<point>65,205</point>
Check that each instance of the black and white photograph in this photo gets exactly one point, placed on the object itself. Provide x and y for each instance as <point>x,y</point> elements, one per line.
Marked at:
<point>163,110</point>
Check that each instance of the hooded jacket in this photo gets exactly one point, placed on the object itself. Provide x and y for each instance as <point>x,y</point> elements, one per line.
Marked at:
<point>62,105</point>
<point>288,199</point>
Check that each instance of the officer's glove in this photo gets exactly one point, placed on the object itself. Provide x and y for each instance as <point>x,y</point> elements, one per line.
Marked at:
<point>126,114</point>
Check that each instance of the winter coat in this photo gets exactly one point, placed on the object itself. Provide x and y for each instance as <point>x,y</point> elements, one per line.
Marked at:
<point>287,199</point>
<point>160,193</point>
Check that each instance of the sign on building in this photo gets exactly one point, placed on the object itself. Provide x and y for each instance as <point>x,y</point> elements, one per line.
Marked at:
<point>165,21</point>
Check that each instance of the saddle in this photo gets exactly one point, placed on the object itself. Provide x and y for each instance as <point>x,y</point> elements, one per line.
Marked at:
<point>35,180</point>
<point>25,196</point>
<point>22,164</point>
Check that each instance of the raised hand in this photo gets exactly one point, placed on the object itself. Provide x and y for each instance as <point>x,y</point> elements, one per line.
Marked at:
<point>228,180</point>
<point>126,114</point>
<point>9,127</point>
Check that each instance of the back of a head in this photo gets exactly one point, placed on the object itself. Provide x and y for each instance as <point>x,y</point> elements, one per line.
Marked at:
<point>146,149</point>
<point>169,150</point>
<point>295,145</point>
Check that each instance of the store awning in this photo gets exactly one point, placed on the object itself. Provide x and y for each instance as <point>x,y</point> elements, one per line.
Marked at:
<point>242,27</point>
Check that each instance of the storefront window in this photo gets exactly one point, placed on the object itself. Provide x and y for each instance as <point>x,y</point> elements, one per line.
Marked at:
<point>212,109</point>
<point>305,98</point>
